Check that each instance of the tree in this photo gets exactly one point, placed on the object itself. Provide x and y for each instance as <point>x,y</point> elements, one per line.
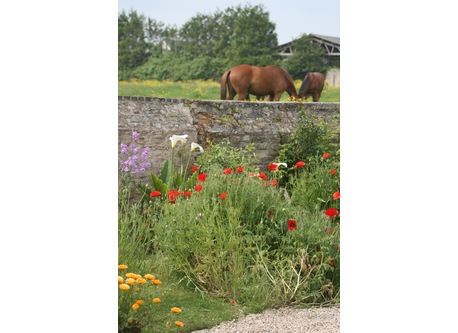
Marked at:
<point>133,49</point>
<point>307,57</point>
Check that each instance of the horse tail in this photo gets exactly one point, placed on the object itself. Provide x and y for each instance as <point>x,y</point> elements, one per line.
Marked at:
<point>224,83</point>
<point>291,89</point>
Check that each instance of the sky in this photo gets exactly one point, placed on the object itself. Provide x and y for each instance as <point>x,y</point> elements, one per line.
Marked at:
<point>291,17</point>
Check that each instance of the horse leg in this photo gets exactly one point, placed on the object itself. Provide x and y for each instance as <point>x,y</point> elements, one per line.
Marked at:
<point>243,95</point>
<point>316,96</point>
<point>276,97</point>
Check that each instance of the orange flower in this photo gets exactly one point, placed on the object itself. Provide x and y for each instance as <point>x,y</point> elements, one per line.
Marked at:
<point>149,276</point>
<point>120,279</point>
<point>156,281</point>
<point>139,302</point>
<point>141,280</point>
<point>156,300</point>
<point>133,275</point>
<point>135,306</point>
<point>122,266</point>
<point>130,281</point>
<point>124,286</point>
<point>179,323</point>
<point>176,310</point>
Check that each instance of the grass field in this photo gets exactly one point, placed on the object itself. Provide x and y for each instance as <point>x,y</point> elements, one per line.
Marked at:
<point>198,89</point>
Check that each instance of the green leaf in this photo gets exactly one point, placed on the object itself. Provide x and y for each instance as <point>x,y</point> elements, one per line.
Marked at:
<point>166,171</point>
<point>159,184</point>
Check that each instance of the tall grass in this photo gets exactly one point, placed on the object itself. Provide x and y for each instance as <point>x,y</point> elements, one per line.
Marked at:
<point>233,239</point>
<point>198,89</point>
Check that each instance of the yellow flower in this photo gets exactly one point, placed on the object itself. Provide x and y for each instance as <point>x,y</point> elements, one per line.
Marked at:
<point>156,281</point>
<point>176,310</point>
<point>124,286</point>
<point>156,300</point>
<point>120,279</point>
<point>179,323</point>
<point>133,275</point>
<point>141,280</point>
<point>130,281</point>
<point>149,276</point>
<point>135,306</point>
<point>122,266</point>
<point>139,302</point>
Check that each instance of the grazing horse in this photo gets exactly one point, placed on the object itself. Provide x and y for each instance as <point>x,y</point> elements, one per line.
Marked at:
<point>312,86</point>
<point>270,81</point>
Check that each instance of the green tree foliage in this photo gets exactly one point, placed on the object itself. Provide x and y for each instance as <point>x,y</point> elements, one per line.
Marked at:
<point>307,57</point>
<point>209,44</point>
<point>133,48</point>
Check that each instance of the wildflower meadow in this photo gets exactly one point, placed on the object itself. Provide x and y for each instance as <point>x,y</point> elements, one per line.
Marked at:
<point>222,231</point>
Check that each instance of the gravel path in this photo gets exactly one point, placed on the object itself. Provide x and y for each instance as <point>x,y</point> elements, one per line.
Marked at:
<point>283,320</point>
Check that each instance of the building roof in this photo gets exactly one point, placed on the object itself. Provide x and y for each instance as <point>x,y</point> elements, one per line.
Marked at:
<point>330,43</point>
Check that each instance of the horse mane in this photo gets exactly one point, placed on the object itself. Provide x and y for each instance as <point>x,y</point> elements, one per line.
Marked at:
<point>305,82</point>
<point>290,83</point>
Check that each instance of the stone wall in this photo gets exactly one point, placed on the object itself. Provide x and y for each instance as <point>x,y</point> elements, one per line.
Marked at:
<point>265,124</point>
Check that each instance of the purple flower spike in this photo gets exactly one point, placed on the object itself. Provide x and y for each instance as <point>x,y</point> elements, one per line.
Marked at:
<point>135,136</point>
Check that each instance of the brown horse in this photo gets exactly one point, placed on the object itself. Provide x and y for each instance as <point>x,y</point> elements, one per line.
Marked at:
<point>270,81</point>
<point>312,86</point>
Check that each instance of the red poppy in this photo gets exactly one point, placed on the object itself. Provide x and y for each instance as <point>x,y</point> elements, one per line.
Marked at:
<point>172,196</point>
<point>333,171</point>
<point>336,195</point>
<point>232,302</point>
<point>202,177</point>
<point>227,171</point>
<point>239,169</point>
<point>262,175</point>
<point>274,182</point>
<point>223,195</point>
<point>331,262</point>
<point>154,194</point>
<point>292,225</point>
<point>198,188</point>
<point>270,213</point>
<point>252,174</point>
<point>326,155</point>
<point>331,212</point>
<point>300,164</point>
<point>194,168</point>
<point>187,193</point>
<point>272,167</point>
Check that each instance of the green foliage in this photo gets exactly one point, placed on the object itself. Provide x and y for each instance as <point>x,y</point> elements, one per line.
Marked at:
<point>307,57</point>
<point>311,137</point>
<point>133,50</point>
<point>224,155</point>
<point>237,236</point>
